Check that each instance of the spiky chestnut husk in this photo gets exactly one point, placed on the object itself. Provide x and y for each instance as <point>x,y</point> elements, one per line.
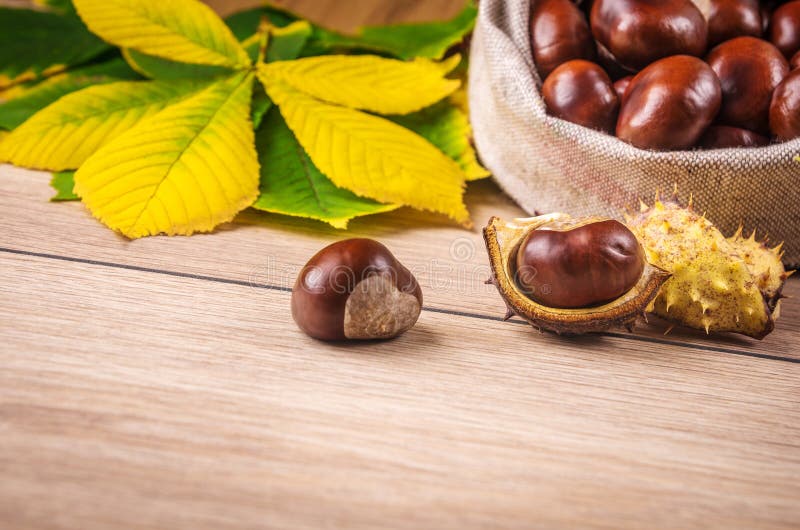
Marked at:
<point>502,242</point>
<point>718,284</point>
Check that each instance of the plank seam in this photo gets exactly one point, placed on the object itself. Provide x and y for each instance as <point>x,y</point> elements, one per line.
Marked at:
<point>242,283</point>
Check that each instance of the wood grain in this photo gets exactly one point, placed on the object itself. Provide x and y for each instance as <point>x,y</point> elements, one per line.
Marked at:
<point>161,383</point>
<point>193,404</point>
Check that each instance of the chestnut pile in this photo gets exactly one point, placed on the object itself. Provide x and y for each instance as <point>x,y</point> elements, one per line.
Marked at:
<point>662,75</point>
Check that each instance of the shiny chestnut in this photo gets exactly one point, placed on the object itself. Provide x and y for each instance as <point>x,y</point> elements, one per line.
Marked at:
<point>794,64</point>
<point>621,86</point>
<point>784,111</point>
<point>355,289</point>
<point>581,92</point>
<point>724,136</point>
<point>559,33</point>
<point>748,69</point>
<point>638,32</point>
<point>728,19</point>
<point>669,104</point>
<point>579,265</point>
<point>784,28</point>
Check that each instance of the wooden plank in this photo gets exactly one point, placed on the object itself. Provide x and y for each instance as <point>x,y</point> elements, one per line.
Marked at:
<point>347,15</point>
<point>265,249</point>
<point>141,400</point>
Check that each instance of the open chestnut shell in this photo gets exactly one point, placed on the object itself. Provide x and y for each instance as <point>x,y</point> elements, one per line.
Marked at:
<point>503,242</point>
<point>355,289</point>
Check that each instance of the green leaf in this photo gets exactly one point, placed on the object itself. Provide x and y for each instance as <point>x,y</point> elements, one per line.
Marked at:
<point>259,106</point>
<point>292,185</point>
<point>36,44</point>
<point>154,67</point>
<point>447,127</point>
<point>58,6</point>
<point>63,182</point>
<point>245,23</point>
<point>287,42</point>
<point>428,40</point>
<point>31,100</point>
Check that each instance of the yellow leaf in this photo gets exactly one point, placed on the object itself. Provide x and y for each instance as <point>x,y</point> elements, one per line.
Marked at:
<point>64,134</point>
<point>384,86</point>
<point>372,156</point>
<point>181,30</point>
<point>184,170</point>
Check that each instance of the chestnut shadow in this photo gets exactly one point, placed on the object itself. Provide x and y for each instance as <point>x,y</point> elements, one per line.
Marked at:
<point>421,333</point>
<point>659,327</point>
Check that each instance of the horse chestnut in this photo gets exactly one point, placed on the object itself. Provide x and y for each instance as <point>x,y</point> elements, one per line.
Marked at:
<point>723,136</point>
<point>784,111</point>
<point>580,91</point>
<point>584,264</point>
<point>784,29</point>
<point>638,32</point>
<point>733,18</point>
<point>669,104</point>
<point>794,64</point>
<point>355,289</point>
<point>749,69</point>
<point>559,33</point>
<point>621,86</point>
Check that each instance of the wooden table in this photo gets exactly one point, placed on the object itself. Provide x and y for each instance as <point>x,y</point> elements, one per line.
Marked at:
<point>161,383</point>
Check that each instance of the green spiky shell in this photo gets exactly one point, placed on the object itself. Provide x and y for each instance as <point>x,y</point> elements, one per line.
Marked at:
<point>718,284</point>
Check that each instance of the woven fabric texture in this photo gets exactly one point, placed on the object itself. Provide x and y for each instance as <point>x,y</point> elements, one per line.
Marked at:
<point>547,164</point>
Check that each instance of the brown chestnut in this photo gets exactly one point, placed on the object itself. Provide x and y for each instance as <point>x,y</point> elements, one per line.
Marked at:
<point>784,28</point>
<point>669,104</point>
<point>610,64</point>
<point>749,69</point>
<point>574,265</point>
<point>724,136</point>
<point>355,289</point>
<point>621,86</point>
<point>559,33</point>
<point>728,19</point>
<point>638,32</point>
<point>784,111</point>
<point>795,62</point>
<point>580,91</point>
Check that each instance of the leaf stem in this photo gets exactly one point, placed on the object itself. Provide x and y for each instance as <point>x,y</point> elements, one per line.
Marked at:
<point>264,27</point>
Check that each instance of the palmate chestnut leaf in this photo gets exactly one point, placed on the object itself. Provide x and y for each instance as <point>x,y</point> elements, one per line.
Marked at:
<point>155,157</point>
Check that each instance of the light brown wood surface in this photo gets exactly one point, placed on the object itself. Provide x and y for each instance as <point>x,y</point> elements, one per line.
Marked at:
<point>161,383</point>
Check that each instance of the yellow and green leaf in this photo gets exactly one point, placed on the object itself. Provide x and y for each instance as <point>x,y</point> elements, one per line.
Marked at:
<point>63,135</point>
<point>30,100</point>
<point>63,182</point>
<point>154,67</point>
<point>447,127</point>
<point>372,156</point>
<point>186,169</point>
<point>292,185</point>
<point>367,82</point>
<point>36,44</point>
<point>186,31</point>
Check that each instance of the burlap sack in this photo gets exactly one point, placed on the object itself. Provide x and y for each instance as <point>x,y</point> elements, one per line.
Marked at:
<point>547,164</point>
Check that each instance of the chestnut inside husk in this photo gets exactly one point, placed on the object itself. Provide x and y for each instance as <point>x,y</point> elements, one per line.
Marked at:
<point>503,240</point>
